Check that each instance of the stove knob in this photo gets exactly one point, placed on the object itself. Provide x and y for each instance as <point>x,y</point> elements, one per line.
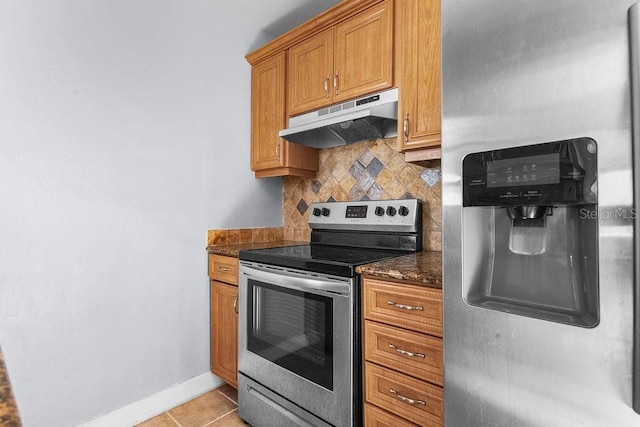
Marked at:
<point>316,211</point>
<point>403,211</point>
<point>391,211</point>
<point>325,212</point>
<point>379,211</point>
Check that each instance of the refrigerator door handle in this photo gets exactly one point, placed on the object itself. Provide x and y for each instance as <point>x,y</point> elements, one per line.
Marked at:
<point>634,55</point>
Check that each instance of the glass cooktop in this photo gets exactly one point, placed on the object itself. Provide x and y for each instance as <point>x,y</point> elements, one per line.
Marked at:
<point>336,260</point>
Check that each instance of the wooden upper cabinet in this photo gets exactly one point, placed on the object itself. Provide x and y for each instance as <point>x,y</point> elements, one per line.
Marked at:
<point>418,73</point>
<point>268,114</point>
<point>363,53</point>
<point>351,59</point>
<point>311,73</point>
<point>343,53</point>
<point>270,154</point>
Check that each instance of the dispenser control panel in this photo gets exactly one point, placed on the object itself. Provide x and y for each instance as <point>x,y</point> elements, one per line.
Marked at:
<point>553,173</point>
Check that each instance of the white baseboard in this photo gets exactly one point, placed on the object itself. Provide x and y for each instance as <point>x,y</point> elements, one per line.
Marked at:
<point>158,403</point>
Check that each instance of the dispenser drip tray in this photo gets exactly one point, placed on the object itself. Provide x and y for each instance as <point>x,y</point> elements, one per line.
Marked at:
<point>537,267</point>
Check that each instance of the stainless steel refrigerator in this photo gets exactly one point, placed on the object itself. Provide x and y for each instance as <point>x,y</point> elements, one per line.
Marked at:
<point>539,250</point>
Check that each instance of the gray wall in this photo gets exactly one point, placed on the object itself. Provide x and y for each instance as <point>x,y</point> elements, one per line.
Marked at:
<point>124,136</point>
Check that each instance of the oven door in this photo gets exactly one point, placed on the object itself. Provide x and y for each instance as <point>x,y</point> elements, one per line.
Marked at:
<point>296,338</point>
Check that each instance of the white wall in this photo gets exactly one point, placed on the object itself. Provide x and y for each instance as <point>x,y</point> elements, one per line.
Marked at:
<point>124,136</point>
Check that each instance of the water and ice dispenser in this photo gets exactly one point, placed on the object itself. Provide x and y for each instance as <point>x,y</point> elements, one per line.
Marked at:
<point>530,231</point>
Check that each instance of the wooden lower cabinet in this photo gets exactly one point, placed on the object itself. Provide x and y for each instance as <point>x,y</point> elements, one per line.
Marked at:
<point>403,368</point>
<point>374,417</point>
<point>417,401</point>
<point>224,318</point>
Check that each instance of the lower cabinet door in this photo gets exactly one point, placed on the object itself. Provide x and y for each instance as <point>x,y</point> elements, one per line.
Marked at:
<point>414,400</point>
<point>376,417</point>
<point>224,332</point>
<point>408,352</point>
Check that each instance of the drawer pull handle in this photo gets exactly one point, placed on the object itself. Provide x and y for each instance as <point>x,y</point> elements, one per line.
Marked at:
<point>405,307</point>
<point>406,399</point>
<point>225,269</point>
<point>405,352</point>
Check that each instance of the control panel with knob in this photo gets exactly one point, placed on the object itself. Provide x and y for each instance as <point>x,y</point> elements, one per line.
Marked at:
<point>404,215</point>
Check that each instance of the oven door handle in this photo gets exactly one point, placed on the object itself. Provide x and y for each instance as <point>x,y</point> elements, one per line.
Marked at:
<point>297,282</point>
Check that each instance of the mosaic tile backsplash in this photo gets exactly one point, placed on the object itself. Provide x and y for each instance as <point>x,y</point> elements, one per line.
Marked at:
<point>371,170</point>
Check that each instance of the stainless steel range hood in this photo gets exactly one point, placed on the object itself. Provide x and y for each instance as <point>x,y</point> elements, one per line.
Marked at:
<point>370,117</point>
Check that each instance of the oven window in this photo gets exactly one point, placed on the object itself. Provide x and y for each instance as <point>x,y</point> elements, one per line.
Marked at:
<point>292,329</point>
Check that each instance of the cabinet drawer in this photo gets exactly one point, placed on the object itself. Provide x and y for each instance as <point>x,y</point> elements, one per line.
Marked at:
<point>223,268</point>
<point>376,417</point>
<point>411,353</point>
<point>406,306</point>
<point>417,401</point>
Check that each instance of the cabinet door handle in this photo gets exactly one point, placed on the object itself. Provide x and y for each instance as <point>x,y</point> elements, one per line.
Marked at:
<point>224,269</point>
<point>406,127</point>
<point>405,352</point>
<point>406,399</point>
<point>405,307</point>
<point>326,85</point>
<point>335,82</point>
<point>235,305</point>
<point>278,150</point>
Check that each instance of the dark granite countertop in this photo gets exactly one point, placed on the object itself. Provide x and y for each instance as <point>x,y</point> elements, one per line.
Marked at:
<point>422,268</point>
<point>232,250</point>
<point>8,409</point>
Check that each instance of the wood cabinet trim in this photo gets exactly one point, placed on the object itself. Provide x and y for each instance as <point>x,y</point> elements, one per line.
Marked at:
<point>284,171</point>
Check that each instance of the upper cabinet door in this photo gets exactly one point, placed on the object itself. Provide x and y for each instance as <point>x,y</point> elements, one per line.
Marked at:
<point>363,53</point>
<point>311,73</point>
<point>270,154</point>
<point>418,71</point>
<point>351,59</point>
<point>268,115</point>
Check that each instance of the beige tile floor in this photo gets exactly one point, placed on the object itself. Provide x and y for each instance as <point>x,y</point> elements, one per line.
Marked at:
<point>217,408</point>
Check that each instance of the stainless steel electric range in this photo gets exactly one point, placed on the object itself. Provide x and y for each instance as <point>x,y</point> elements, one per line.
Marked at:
<point>299,355</point>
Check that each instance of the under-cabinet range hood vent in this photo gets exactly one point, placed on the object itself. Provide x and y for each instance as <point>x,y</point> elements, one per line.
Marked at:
<point>370,117</point>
